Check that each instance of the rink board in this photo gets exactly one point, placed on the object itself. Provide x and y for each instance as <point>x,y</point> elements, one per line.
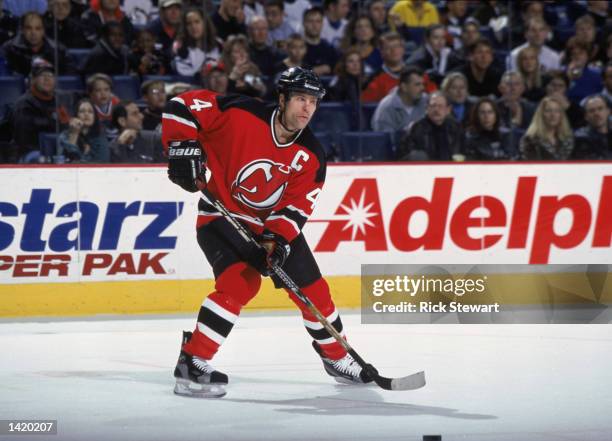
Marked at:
<point>108,240</point>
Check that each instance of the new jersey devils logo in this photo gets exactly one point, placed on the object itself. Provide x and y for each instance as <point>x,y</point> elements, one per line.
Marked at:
<point>261,183</point>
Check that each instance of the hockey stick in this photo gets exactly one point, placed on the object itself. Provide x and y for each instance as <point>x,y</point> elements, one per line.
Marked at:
<point>414,381</point>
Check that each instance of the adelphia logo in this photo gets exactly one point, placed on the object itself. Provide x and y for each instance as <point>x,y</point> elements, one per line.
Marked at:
<point>359,217</point>
<point>261,184</point>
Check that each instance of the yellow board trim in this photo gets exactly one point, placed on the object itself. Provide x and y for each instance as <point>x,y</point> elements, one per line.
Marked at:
<point>145,297</point>
<point>186,296</point>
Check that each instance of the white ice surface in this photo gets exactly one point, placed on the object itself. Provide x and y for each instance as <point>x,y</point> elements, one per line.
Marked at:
<point>112,380</point>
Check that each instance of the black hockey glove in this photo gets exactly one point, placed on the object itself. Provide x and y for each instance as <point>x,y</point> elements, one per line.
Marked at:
<point>185,164</point>
<point>277,250</point>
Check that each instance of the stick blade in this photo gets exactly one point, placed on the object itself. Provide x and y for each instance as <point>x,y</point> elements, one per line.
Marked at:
<point>411,382</point>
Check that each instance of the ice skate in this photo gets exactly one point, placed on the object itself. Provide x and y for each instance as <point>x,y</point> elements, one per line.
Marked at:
<point>195,377</point>
<point>345,370</point>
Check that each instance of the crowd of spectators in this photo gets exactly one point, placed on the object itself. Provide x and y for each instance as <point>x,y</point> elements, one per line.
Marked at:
<point>445,79</point>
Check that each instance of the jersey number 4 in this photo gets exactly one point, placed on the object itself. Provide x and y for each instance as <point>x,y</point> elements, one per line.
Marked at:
<point>199,105</point>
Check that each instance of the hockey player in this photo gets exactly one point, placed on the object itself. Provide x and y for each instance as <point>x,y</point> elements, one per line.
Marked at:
<point>267,168</point>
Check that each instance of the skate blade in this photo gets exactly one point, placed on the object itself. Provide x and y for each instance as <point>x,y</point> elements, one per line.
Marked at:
<point>348,382</point>
<point>191,389</point>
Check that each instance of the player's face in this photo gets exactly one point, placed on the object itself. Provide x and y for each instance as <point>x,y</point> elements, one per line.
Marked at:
<point>86,114</point>
<point>101,93</point>
<point>299,110</point>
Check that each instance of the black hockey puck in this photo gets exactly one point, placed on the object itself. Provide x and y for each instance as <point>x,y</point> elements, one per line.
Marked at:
<point>432,437</point>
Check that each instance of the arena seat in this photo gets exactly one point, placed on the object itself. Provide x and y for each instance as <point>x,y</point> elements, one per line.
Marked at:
<point>126,87</point>
<point>366,146</point>
<point>11,88</point>
<point>78,56</point>
<point>48,145</point>
<point>332,117</point>
<point>70,82</point>
<point>328,144</point>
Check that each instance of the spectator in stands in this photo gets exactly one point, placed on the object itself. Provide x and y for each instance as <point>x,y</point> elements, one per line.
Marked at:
<point>30,44</point>
<point>165,28</point>
<point>102,12</point>
<point>360,33</point>
<point>556,84</point>
<point>335,20</point>
<point>413,13</point>
<point>485,140</point>
<point>84,140</point>
<point>296,51</point>
<point>433,56</point>
<point>140,12</point>
<point>528,66</point>
<point>584,80</point>
<point>154,94</point>
<point>606,92</point>
<point>294,12</point>
<point>35,112</point>
<point>110,55</point>
<point>229,19</point>
<point>515,111</point>
<point>454,18</point>
<point>100,91</point>
<point>549,135</point>
<point>8,24</point>
<point>594,141</point>
<point>378,13</point>
<point>70,30</point>
<point>346,84</point>
<point>437,136</point>
<point>526,10</point>
<point>482,76</point>
<point>196,43</point>
<point>598,9</point>
<point>265,56</point>
<point>586,33</point>
<point>455,87</point>
<point>536,34</point>
<point>215,78</point>
<point>251,9</point>
<point>404,105</point>
<point>279,29</point>
<point>386,78</point>
<point>489,10</point>
<point>470,34</point>
<point>134,145</point>
<point>145,58</point>
<point>321,55</point>
<point>244,75</point>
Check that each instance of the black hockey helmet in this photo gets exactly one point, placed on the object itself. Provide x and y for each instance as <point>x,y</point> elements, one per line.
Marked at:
<point>298,79</point>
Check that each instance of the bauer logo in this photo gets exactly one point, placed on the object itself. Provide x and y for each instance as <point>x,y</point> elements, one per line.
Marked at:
<point>526,218</point>
<point>40,237</point>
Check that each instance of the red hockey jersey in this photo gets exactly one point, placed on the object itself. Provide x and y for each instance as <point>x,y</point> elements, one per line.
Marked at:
<point>266,184</point>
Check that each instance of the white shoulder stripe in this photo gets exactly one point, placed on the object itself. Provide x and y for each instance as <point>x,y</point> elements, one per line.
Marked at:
<point>178,119</point>
<point>178,100</point>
